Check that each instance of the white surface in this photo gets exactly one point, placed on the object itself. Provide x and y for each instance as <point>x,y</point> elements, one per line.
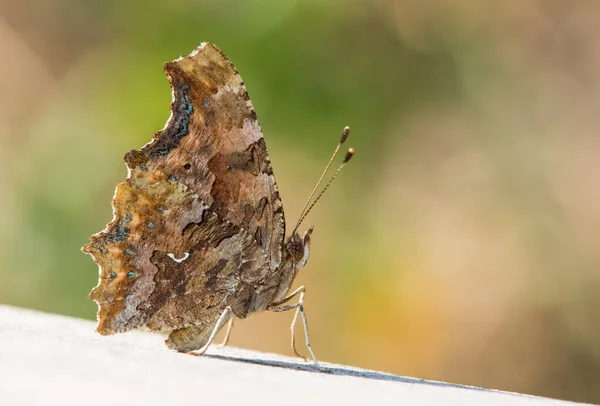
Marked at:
<point>49,359</point>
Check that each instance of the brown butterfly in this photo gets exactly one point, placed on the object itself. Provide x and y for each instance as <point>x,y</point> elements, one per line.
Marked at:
<point>197,236</point>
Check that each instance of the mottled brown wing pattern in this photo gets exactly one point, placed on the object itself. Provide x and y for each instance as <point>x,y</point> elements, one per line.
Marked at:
<point>214,145</point>
<point>198,225</point>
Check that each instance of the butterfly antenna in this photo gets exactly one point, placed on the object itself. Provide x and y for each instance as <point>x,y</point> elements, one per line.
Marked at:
<point>348,156</point>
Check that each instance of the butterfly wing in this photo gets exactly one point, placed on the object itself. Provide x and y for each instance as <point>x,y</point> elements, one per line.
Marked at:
<point>198,224</point>
<point>168,262</point>
<point>213,144</point>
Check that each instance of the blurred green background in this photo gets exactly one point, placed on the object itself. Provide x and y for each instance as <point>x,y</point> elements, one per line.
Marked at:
<point>461,244</point>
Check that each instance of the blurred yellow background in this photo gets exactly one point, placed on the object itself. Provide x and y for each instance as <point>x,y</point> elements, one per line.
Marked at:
<point>461,244</point>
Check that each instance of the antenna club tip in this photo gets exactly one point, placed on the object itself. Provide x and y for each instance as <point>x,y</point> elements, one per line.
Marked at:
<point>345,134</point>
<point>349,155</point>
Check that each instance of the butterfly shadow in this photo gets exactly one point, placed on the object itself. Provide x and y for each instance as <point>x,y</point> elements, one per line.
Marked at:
<point>344,371</point>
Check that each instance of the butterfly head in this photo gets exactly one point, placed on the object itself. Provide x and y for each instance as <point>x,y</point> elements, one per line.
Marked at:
<point>298,248</point>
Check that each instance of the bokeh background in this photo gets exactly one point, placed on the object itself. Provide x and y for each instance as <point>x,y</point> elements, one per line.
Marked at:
<point>461,244</point>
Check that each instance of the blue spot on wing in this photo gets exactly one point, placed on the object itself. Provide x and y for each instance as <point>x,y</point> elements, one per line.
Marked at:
<point>122,232</point>
<point>188,104</point>
<point>170,138</point>
<point>185,114</point>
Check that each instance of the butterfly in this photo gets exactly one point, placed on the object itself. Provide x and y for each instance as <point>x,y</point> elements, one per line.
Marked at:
<point>197,237</point>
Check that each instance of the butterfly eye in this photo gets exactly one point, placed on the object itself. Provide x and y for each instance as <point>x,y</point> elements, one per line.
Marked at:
<point>187,166</point>
<point>295,248</point>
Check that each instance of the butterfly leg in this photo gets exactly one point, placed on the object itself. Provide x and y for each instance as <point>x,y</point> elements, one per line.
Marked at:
<point>276,307</point>
<point>289,297</point>
<point>299,307</point>
<point>228,332</point>
<point>226,316</point>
